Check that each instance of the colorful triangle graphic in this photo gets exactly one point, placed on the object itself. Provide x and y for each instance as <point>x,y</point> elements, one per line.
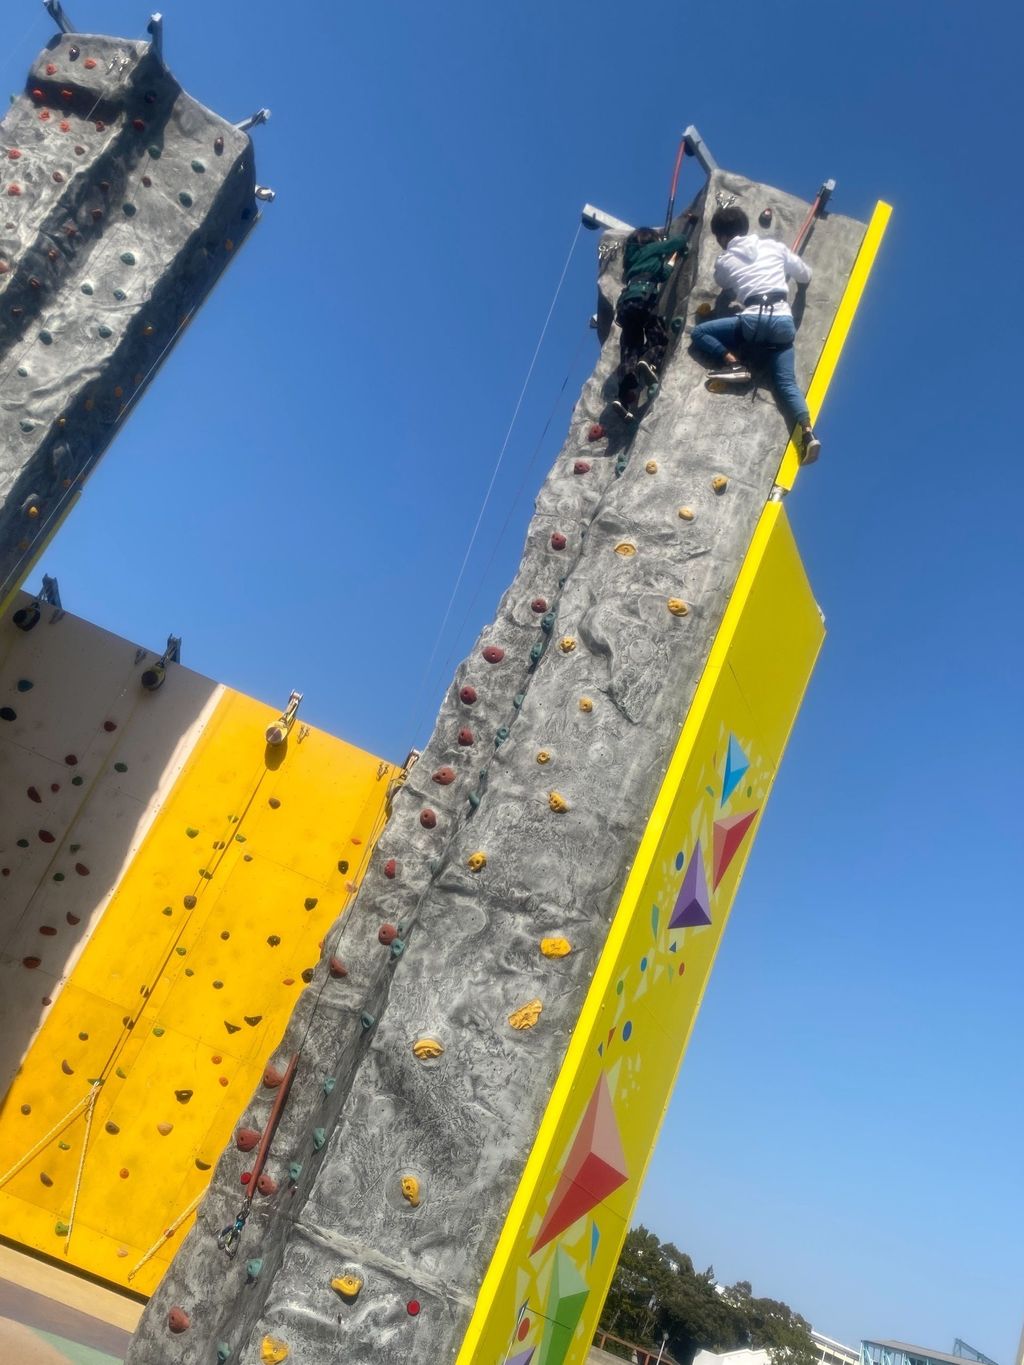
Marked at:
<point>523,1358</point>
<point>595,1237</point>
<point>564,1308</point>
<point>693,904</point>
<point>736,764</point>
<point>729,835</point>
<point>596,1166</point>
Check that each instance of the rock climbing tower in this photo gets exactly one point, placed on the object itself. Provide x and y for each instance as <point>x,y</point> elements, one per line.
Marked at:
<point>123,200</point>
<point>441,1162</point>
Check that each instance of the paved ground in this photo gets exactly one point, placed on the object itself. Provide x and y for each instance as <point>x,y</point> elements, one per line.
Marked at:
<point>48,1317</point>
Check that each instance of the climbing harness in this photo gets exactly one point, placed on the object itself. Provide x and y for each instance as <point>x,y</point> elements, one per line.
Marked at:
<point>229,1238</point>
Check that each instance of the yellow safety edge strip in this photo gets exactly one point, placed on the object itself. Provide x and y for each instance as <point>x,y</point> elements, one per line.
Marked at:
<point>839,331</point>
<point>37,551</point>
<point>601,982</point>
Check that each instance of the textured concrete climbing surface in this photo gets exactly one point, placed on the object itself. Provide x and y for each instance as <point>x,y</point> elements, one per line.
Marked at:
<point>440,1064</point>
<point>157,939</point>
<point>121,202</point>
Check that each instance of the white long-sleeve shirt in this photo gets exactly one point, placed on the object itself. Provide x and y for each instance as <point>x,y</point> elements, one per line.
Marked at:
<point>759,265</point>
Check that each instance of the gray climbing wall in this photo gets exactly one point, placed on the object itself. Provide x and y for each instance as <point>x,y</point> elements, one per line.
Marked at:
<point>121,201</point>
<point>410,1066</point>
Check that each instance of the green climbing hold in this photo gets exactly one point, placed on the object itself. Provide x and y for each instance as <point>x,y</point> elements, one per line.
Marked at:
<point>474,799</point>
<point>77,781</point>
<point>61,1229</point>
<point>22,372</point>
<point>25,685</point>
<point>218,985</point>
<point>185,199</point>
<point>253,1268</point>
<point>205,874</point>
<point>547,622</point>
<point>181,951</point>
<point>120,767</point>
<point>367,1019</point>
<point>319,1138</point>
<point>154,151</point>
<point>46,338</point>
<point>26,425</point>
<point>329,1084</point>
<point>198,167</point>
<point>158,1032</point>
<point>501,736</point>
<point>23,843</point>
<point>310,903</point>
<point>58,876</point>
<point>294,1170</point>
<point>104,331</point>
<point>128,210</point>
<point>167,910</point>
<point>128,257</point>
<point>239,838</point>
<point>121,1074</point>
<point>64,1146</point>
<point>189,971</point>
<point>191,833</point>
<point>397,947</point>
<point>246,857</point>
<point>223,1351</point>
<point>74,848</point>
<point>120,295</point>
<point>518,699</point>
<point>87,288</point>
<point>537,652</point>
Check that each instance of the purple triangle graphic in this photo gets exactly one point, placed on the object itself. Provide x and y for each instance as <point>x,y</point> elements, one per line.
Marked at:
<point>693,906</point>
<point>524,1357</point>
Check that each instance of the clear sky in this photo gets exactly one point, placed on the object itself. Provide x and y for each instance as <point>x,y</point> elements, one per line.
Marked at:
<point>295,495</point>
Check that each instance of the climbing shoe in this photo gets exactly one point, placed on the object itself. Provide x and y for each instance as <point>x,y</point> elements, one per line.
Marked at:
<point>622,410</point>
<point>647,373</point>
<point>810,448</point>
<point>731,374</point>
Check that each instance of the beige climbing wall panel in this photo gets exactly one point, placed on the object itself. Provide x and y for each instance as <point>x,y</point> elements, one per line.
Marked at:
<point>165,881</point>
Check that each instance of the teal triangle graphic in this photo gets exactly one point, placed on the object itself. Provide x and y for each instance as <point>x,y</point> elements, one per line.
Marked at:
<point>595,1237</point>
<point>736,764</point>
<point>654,920</point>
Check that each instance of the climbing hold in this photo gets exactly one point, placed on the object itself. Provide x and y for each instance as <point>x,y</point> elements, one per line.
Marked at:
<point>500,735</point>
<point>493,653</point>
<point>112,1128</point>
<point>223,1352</point>
<point>81,869</point>
<point>518,699</point>
<point>543,756</point>
<point>253,1268</point>
<point>685,514</point>
<point>124,1173</point>
<point>307,975</point>
<point>191,833</point>
<point>67,1069</point>
<point>555,947</point>
<point>310,903</point>
<point>266,1184</point>
<point>183,1096</point>
<point>705,309</point>
<point>33,795</point>
<point>410,1187</point>
<point>465,739</point>
<point>567,644</point>
<point>274,940</point>
<point>581,467</point>
<point>232,1028</point>
<point>46,1179</point>
<point>128,257</point>
<point>467,695</point>
<point>273,1350</point>
<point>218,985</point>
<point>245,1178</point>
<point>319,1138</point>
<point>387,933</point>
<point>367,1020</point>
<point>476,861</point>
<point>558,541</point>
<point>678,607</point>
<point>158,1032</point>
<point>526,1016</point>
<point>719,483</point>
<point>189,902</point>
<point>539,605</point>
<point>428,819</point>
<point>178,1320</point>
<point>120,767</point>
<point>165,1129</point>
<point>651,466</point>
<point>558,803</point>
<point>110,726</point>
<point>427,1049</point>
<point>625,549</point>
<point>61,1229</point>
<point>337,968</point>
<point>586,705</point>
<point>185,199</point>
<point>246,1139</point>
<point>596,432</point>
<point>413,1307</point>
<point>218,145</point>
<point>294,1170</point>
<point>273,802</point>
<point>765,216</point>
<point>348,1286</point>
<point>272,1078</point>
<point>329,1084</point>
<point>443,777</point>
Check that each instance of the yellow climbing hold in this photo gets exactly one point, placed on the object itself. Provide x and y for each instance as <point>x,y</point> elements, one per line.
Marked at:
<point>526,1016</point>
<point>625,549</point>
<point>348,1286</point>
<point>686,514</point>
<point>586,705</point>
<point>476,861</point>
<point>719,483</point>
<point>555,947</point>
<point>273,1351</point>
<point>705,309</point>
<point>567,644</point>
<point>411,1190</point>
<point>426,1049</point>
<point>678,607</point>
<point>651,466</point>
<point>558,803</point>
<point>543,756</point>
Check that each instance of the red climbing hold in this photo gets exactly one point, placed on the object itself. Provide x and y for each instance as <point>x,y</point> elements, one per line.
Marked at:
<point>337,968</point>
<point>493,654</point>
<point>539,605</point>
<point>177,1319</point>
<point>247,1139</point>
<point>596,432</point>
<point>31,962</point>
<point>71,760</point>
<point>55,786</point>
<point>38,96</point>
<point>138,125</point>
<point>13,154</point>
<point>47,930</point>
<point>73,919</point>
<point>413,1307</point>
<point>272,1078</point>
<point>465,738</point>
<point>110,726</point>
<point>14,190</point>
<point>444,777</point>
<point>428,819</point>
<point>581,467</point>
<point>266,1184</point>
<point>51,70</point>
<point>245,1177</point>
<point>81,869</point>
<point>558,541</point>
<point>391,868</point>
<point>90,63</point>
<point>46,837</point>
<point>386,934</point>
<point>467,695</point>
<point>67,96</point>
<point>33,795</point>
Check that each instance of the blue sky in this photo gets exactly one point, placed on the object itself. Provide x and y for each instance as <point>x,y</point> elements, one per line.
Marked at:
<point>295,495</point>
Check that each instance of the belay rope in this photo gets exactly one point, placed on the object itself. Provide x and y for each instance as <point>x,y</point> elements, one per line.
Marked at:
<point>228,1238</point>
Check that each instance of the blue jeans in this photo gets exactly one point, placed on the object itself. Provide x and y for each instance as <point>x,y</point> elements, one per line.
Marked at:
<point>765,340</point>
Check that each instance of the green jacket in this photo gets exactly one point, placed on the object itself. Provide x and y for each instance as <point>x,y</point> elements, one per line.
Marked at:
<point>644,266</point>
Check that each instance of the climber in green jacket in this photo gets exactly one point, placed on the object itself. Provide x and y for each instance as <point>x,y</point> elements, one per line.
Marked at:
<point>647,264</point>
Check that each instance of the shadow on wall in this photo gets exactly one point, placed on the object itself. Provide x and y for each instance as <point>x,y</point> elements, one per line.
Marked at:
<point>87,755</point>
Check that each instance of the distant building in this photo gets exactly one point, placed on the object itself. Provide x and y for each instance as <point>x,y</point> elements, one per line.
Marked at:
<point>829,1353</point>
<point>902,1353</point>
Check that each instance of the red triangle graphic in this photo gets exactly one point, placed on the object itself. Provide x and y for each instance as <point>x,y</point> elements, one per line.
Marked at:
<point>595,1168</point>
<point>729,835</point>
